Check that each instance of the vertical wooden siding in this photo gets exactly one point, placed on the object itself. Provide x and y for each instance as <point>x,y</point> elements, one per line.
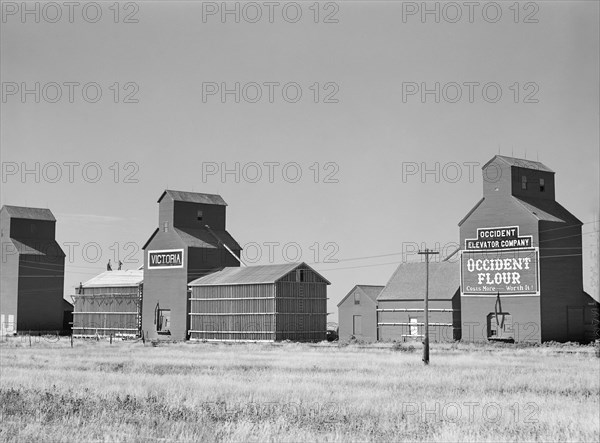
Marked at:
<point>301,311</point>
<point>286,310</point>
<point>234,312</point>
<point>108,311</point>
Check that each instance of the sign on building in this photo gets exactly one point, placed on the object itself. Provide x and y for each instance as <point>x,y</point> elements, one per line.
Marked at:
<point>501,261</point>
<point>165,259</point>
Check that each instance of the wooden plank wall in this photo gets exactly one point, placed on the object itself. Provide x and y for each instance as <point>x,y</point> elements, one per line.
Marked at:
<point>286,310</point>
<point>236,312</point>
<point>107,311</point>
<point>301,310</point>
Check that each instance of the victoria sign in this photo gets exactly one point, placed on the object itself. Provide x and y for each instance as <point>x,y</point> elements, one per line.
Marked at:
<point>165,259</point>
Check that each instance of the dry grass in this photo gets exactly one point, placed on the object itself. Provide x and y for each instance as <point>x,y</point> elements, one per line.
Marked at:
<point>295,392</point>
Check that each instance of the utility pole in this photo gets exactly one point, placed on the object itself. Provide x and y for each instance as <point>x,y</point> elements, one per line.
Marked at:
<point>427,253</point>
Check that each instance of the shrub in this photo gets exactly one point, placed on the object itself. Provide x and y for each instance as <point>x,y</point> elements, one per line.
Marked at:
<point>400,347</point>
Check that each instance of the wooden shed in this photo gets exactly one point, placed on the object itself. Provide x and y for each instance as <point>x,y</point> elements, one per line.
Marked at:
<point>260,303</point>
<point>401,313</point>
<point>109,304</point>
<point>357,313</point>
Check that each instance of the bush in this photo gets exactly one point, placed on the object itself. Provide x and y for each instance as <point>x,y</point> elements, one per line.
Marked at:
<point>400,347</point>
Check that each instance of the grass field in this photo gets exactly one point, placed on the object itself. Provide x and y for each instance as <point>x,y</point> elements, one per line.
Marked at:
<point>295,392</point>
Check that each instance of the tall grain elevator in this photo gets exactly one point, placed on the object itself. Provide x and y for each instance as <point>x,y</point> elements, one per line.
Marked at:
<point>521,260</point>
<point>191,241</point>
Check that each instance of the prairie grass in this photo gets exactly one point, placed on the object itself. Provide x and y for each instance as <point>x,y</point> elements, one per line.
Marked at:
<point>295,392</point>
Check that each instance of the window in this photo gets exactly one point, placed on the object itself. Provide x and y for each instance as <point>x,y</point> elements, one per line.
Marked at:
<point>199,216</point>
<point>542,185</point>
<point>523,182</point>
<point>301,275</point>
<point>163,321</point>
<point>166,226</point>
<point>357,298</point>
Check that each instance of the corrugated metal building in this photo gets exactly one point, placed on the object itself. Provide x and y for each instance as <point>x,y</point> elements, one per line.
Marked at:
<point>357,313</point>
<point>400,305</point>
<point>521,271</point>
<point>109,304</point>
<point>31,270</point>
<point>266,303</point>
<point>180,250</point>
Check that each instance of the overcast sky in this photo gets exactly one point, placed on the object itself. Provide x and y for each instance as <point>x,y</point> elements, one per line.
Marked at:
<point>360,122</point>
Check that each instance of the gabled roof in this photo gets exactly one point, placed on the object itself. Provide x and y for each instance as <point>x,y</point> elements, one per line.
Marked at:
<point>370,291</point>
<point>262,274</point>
<point>150,239</point>
<point>202,238</point>
<point>194,197</point>
<point>520,163</point>
<point>547,210</point>
<point>540,208</point>
<point>34,246</point>
<point>473,209</point>
<point>408,282</point>
<point>116,279</point>
<point>29,213</point>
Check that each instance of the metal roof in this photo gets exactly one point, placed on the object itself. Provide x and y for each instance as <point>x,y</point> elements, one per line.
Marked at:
<point>541,208</point>
<point>29,213</point>
<point>370,291</point>
<point>473,209</point>
<point>116,279</point>
<point>194,197</point>
<point>408,282</point>
<point>262,274</point>
<point>548,210</point>
<point>34,246</point>
<point>521,163</point>
<point>202,238</point>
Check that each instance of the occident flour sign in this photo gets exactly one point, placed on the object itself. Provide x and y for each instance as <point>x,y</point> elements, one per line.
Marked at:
<point>165,259</point>
<point>499,260</point>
